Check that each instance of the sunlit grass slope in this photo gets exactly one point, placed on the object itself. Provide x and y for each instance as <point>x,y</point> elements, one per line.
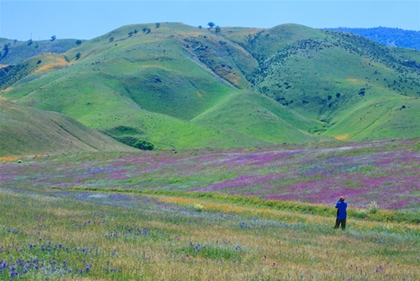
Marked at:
<point>261,117</point>
<point>153,82</point>
<point>25,130</point>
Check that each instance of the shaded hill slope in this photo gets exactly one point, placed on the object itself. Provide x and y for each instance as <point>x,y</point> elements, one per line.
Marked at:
<point>14,51</point>
<point>393,37</point>
<point>25,130</point>
<point>179,86</point>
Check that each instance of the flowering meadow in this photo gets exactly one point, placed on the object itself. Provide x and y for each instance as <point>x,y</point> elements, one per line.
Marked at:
<point>260,214</point>
<point>387,172</point>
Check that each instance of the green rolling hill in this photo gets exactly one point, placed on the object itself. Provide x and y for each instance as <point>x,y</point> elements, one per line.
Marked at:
<point>25,130</point>
<point>182,87</point>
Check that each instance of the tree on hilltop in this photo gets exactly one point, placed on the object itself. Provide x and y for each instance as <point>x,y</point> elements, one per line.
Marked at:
<point>157,25</point>
<point>6,50</point>
<point>78,42</point>
<point>211,25</point>
<point>217,29</point>
<point>53,38</point>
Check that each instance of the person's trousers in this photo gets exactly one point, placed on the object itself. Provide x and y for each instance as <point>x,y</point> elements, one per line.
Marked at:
<point>338,222</point>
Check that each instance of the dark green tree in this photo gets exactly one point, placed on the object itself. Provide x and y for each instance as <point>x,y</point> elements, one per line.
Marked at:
<point>146,30</point>
<point>157,25</point>
<point>77,56</point>
<point>5,50</point>
<point>211,25</point>
<point>78,42</point>
<point>217,29</point>
<point>53,38</point>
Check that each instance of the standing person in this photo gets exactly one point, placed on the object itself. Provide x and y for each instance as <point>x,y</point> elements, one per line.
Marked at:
<point>341,207</point>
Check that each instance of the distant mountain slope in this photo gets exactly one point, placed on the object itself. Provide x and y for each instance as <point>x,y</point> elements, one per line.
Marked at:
<point>13,51</point>
<point>25,130</point>
<point>179,86</point>
<point>393,37</point>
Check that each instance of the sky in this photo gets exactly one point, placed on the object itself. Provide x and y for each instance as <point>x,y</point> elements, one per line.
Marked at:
<point>39,20</point>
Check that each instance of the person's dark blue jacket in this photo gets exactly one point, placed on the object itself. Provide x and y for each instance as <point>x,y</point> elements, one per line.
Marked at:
<point>341,210</point>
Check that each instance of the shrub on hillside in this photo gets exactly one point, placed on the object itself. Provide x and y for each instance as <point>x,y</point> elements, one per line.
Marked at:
<point>144,145</point>
<point>135,142</point>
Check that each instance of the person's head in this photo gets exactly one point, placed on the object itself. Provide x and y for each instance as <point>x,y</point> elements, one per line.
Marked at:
<point>342,198</point>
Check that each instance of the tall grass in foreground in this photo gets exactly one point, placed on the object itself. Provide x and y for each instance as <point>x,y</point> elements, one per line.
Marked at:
<point>74,235</point>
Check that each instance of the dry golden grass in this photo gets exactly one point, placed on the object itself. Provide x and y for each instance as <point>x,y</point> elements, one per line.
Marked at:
<point>56,62</point>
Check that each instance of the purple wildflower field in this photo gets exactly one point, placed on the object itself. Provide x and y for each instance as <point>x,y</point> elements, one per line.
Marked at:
<point>387,172</point>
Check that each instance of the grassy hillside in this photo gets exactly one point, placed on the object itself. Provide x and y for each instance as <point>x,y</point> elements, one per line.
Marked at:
<point>261,117</point>
<point>333,77</point>
<point>25,130</point>
<point>179,86</point>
